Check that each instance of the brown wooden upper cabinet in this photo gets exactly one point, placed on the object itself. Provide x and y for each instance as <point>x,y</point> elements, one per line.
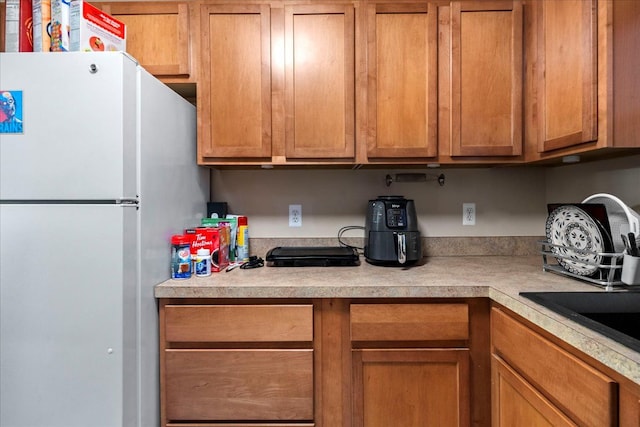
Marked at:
<point>234,97</point>
<point>582,89</point>
<point>319,51</point>
<point>402,91</point>
<point>486,78</point>
<point>567,73</point>
<point>350,82</point>
<point>158,36</point>
<point>278,83</point>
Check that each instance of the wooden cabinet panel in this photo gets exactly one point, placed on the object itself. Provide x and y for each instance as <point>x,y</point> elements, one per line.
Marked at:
<point>411,388</point>
<point>402,75</point>
<point>486,78</point>
<point>515,400</point>
<point>319,81</point>
<point>238,323</point>
<point>584,394</point>
<point>234,97</point>
<point>236,424</point>
<point>629,403</point>
<point>409,322</point>
<point>239,384</point>
<point>566,73</point>
<point>158,35</point>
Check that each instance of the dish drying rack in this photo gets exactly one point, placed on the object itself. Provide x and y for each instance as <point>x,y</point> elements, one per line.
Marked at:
<point>607,276</point>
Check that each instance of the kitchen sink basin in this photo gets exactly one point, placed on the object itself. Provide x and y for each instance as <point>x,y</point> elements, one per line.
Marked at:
<point>613,314</point>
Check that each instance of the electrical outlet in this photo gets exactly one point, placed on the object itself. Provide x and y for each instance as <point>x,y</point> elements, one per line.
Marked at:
<point>295,215</point>
<point>468,214</point>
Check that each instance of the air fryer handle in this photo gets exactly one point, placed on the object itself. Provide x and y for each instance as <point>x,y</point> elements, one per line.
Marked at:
<point>401,247</point>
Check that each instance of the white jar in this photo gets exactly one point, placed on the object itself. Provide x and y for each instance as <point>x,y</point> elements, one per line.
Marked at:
<point>203,263</point>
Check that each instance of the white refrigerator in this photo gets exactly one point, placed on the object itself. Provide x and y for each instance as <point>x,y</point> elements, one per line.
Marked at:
<point>97,171</point>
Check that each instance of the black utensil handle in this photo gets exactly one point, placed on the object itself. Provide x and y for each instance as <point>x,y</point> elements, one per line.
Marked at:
<point>633,245</point>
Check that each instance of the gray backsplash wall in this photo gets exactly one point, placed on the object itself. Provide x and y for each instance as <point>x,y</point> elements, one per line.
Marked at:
<point>620,177</point>
<point>510,201</point>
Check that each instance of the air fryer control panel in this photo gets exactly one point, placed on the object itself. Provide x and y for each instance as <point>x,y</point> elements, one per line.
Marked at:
<point>396,216</point>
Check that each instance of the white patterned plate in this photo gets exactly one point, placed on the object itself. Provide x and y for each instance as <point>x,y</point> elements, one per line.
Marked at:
<point>580,239</point>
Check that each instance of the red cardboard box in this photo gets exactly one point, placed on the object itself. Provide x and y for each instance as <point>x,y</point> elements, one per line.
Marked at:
<point>216,239</point>
<point>94,30</point>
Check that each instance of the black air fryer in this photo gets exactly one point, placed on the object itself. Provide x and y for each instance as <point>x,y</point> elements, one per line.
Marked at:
<point>391,232</point>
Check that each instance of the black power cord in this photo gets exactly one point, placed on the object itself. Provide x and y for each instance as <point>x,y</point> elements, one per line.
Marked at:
<point>344,230</point>
<point>254,262</point>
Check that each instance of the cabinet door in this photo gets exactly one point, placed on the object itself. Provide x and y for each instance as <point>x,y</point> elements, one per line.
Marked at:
<point>158,35</point>
<point>319,81</point>
<point>411,388</point>
<point>583,393</point>
<point>486,78</point>
<point>567,73</point>
<point>402,80</point>
<point>515,402</point>
<point>234,94</point>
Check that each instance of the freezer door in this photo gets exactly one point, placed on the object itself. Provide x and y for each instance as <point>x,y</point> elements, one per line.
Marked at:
<point>78,114</point>
<point>67,315</point>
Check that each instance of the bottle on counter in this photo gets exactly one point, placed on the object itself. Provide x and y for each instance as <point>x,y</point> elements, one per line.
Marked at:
<point>180,257</point>
<point>203,263</point>
<point>243,239</point>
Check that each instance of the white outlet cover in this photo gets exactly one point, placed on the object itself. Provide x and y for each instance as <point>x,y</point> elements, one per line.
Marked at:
<point>468,214</point>
<point>295,215</point>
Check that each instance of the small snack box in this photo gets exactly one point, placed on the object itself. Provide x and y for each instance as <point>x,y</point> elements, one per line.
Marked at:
<point>94,30</point>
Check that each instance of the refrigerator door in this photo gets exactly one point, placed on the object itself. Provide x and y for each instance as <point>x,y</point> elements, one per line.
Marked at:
<point>173,193</point>
<point>67,314</point>
<point>79,130</point>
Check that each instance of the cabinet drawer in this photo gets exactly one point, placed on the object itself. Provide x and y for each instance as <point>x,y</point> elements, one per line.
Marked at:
<point>238,323</point>
<point>239,385</point>
<point>586,395</point>
<point>409,322</point>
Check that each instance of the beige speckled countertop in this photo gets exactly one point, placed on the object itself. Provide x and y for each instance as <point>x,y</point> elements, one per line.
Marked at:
<point>499,278</point>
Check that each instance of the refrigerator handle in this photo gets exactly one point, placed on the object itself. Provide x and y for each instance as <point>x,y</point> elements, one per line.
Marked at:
<point>128,203</point>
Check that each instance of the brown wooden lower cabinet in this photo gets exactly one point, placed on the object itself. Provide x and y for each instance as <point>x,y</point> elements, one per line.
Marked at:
<point>236,364</point>
<point>377,362</point>
<point>411,387</point>
<point>328,362</point>
<point>540,380</point>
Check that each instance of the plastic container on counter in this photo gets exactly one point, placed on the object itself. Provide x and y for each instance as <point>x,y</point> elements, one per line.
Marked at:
<point>203,263</point>
<point>180,257</point>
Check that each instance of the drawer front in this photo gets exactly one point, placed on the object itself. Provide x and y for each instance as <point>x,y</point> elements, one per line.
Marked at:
<point>239,385</point>
<point>232,424</point>
<point>587,396</point>
<point>238,323</point>
<point>409,322</point>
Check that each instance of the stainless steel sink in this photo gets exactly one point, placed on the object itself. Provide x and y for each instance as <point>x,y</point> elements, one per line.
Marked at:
<point>613,314</point>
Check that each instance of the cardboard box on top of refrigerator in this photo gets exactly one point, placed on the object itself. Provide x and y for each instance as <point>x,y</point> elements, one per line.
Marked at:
<point>60,25</point>
<point>92,30</point>
<point>18,26</point>
<point>41,15</point>
<point>216,239</point>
